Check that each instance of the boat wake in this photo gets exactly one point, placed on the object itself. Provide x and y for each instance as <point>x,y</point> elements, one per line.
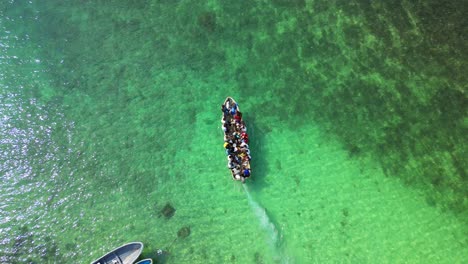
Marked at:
<point>272,232</point>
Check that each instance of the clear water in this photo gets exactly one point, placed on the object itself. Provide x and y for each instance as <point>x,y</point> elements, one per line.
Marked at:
<point>356,111</point>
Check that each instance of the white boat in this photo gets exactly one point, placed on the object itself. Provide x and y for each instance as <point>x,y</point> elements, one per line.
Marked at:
<point>126,254</point>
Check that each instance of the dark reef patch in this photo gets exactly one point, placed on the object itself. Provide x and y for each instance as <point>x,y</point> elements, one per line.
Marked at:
<point>345,212</point>
<point>184,232</point>
<point>168,211</point>
<point>258,258</point>
<point>207,20</point>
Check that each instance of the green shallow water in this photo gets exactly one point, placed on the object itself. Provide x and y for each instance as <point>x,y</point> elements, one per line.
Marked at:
<point>356,113</point>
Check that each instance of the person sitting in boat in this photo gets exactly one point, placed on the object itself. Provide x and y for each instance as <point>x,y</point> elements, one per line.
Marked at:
<point>230,151</point>
<point>246,173</point>
<point>245,164</point>
<point>242,151</point>
<point>226,144</point>
<point>243,128</point>
<point>226,127</point>
<point>232,161</point>
<point>236,135</point>
<point>238,117</point>
<point>239,177</point>
<point>229,148</point>
<point>247,151</point>
<point>236,169</point>
<point>224,109</point>
<point>247,156</point>
<point>237,159</point>
<point>228,139</point>
<point>234,109</point>
<point>245,137</point>
<point>231,165</point>
<point>242,154</point>
<point>232,121</point>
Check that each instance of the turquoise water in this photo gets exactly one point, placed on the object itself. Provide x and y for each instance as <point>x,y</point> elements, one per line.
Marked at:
<point>109,111</point>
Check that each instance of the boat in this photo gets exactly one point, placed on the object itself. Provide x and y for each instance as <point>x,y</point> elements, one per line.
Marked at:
<point>236,140</point>
<point>145,261</point>
<point>126,254</point>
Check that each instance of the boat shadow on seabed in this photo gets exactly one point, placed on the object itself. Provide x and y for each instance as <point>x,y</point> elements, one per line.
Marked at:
<point>258,163</point>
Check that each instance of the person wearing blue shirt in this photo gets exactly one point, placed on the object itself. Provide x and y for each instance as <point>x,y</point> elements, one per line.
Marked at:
<point>234,109</point>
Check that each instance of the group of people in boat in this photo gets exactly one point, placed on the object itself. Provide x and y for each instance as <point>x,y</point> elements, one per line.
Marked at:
<point>236,140</point>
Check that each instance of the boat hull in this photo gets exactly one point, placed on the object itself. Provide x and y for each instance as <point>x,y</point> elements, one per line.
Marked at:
<point>145,261</point>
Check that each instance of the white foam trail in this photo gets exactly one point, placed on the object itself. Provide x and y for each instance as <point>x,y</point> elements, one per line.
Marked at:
<point>267,225</point>
<point>265,221</point>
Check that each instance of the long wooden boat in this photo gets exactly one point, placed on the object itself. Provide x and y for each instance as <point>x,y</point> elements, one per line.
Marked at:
<point>236,140</point>
<point>126,254</point>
